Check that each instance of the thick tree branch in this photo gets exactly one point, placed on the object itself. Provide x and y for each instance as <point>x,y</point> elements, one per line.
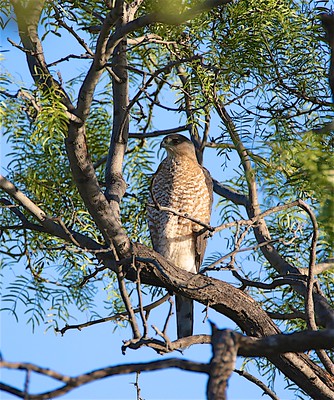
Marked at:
<point>225,346</point>
<point>218,371</point>
<point>115,184</point>
<point>297,342</point>
<point>230,194</point>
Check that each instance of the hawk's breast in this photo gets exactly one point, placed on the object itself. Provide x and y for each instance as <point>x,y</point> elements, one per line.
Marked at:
<point>179,184</point>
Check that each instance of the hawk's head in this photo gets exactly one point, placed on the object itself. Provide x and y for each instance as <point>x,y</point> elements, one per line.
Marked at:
<point>178,145</point>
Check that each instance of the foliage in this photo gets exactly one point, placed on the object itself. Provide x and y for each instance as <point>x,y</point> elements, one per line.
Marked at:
<point>262,61</point>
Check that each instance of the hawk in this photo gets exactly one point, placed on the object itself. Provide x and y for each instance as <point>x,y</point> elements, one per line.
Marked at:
<point>182,184</point>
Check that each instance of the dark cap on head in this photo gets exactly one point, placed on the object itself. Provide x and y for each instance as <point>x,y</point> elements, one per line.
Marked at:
<point>178,146</point>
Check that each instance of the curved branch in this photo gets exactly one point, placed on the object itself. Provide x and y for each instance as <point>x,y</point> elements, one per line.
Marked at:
<point>74,382</point>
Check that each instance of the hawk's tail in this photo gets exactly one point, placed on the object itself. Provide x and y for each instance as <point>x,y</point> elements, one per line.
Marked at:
<point>184,316</point>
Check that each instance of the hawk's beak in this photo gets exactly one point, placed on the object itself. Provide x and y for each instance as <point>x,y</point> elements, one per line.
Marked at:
<point>162,145</point>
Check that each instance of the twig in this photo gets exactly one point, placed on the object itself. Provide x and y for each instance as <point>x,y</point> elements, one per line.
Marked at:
<point>258,217</point>
<point>140,301</point>
<point>163,335</point>
<point>119,316</point>
<point>26,385</point>
<point>309,303</point>
<point>233,252</point>
<point>92,275</point>
<point>169,315</point>
<point>158,132</point>
<point>179,214</point>
<point>257,382</point>
<point>67,58</point>
<point>309,306</point>
<point>136,384</point>
<point>275,283</point>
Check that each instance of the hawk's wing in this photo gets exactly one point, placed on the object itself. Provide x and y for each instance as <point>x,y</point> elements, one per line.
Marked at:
<point>202,234</point>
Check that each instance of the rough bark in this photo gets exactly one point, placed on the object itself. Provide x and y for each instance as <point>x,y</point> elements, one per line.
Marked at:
<point>224,349</point>
<point>241,308</point>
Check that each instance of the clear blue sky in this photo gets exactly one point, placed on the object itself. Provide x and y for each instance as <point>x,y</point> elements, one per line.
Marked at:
<point>99,346</point>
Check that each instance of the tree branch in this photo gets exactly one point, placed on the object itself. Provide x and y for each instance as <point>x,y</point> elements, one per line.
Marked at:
<point>233,303</point>
<point>225,346</point>
<point>119,316</point>
<point>158,132</point>
<point>77,381</point>
<point>257,382</point>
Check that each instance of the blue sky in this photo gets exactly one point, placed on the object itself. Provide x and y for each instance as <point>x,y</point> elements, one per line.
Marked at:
<point>99,346</point>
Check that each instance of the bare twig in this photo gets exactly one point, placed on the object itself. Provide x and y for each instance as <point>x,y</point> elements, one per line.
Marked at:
<point>309,302</point>
<point>119,316</point>
<point>257,382</point>
<point>127,302</point>
<point>136,384</point>
<point>169,315</point>
<point>141,307</point>
<point>163,335</point>
<point>287,280</point>
<point>180,214</point>
<point>213,265</point>
<point>158,132</point>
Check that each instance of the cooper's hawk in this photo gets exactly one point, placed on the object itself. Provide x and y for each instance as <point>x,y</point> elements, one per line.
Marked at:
<point>183,185</point>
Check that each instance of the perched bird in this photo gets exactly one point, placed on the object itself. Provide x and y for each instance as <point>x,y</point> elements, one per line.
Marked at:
<point>181,184</point>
